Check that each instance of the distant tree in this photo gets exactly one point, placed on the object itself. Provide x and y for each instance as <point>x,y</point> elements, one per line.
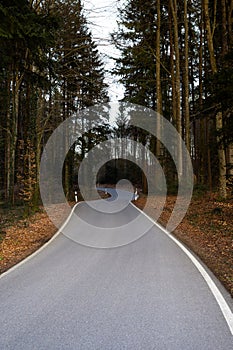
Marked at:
<point>136,39</point>
<point>80,71</point>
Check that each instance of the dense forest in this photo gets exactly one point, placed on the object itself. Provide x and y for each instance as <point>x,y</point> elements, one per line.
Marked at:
<point>50,67</point>
<point>176,57</point>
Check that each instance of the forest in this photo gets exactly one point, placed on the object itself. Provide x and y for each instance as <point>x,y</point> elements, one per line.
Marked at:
<point>176,57</point>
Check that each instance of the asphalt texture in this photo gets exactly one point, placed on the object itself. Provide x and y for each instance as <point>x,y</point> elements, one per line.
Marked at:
<point>144,295</point>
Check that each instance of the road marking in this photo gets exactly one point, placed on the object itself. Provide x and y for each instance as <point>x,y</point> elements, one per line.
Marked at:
<point>42,247</point>
<point>226,311</point>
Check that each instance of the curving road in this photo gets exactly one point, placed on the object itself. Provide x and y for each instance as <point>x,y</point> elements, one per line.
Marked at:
<point>144,295</point>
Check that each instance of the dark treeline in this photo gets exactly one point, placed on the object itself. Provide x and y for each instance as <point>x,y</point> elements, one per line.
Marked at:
<point>49,68</point>
<point>177,58</point>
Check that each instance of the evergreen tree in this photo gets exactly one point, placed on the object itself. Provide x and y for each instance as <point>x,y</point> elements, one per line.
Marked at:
<point>50,67</point>
<point>25,36</point>
<point>80,72</point>
<point>176,57</point>
<point>136,39</point>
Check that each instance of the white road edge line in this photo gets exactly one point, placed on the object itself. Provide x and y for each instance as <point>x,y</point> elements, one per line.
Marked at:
<point>42,247</point>
<point>226,311</point>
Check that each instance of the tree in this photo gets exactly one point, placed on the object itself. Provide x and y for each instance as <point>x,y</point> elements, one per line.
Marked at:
<point>176,56</point>
<point>80,71</point>
<point>50,68</point>
<point>136,40</point>
<point>24,39</point>
<point>219,116</point>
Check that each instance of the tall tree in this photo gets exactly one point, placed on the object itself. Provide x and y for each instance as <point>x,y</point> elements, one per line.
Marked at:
<point>50,67</point>
<point>219,115</point>
<point>25,35</point>
<point>186,76</point>
<point>136,39</point>
<point>80,69</point>
<point>185,61</point>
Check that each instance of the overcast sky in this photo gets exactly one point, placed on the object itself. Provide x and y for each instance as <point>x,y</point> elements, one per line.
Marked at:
<point>102,17</point>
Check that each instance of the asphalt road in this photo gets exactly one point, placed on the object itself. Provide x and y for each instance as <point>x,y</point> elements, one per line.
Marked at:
<point>145,295</point>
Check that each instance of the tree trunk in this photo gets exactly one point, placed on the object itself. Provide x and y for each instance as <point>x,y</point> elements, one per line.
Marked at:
<point>230,21</point>
<point>186,78</point>
<point>209,36</point>
<point>222,159</point>
<point>219,116</point>
<point>230,161</point>
<point>158,80</point>
<point>207,127</point>
<point>8,144</point>
<point>173,6</point>
<point>16,83</point>
<point>224,28</point>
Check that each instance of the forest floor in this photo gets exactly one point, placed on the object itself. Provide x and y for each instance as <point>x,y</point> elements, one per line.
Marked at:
<point>207,229</point>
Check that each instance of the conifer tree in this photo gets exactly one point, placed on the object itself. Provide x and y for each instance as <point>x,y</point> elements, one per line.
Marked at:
<point>136,39</point>
<point>79,69</point>
<point>49,68</point>
<point>180,52</point>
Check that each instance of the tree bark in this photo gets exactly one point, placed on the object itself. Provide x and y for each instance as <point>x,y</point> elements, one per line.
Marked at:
<point>158,80</point>
<point>230,21</point>
<point>186,77</point>
<point>222,158</point>
<point>219,116</point>
<point>173,85</point>
<point>173,6</point>
<point>8,144</point>
<point>224,28</point>
<point>209,35</point>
